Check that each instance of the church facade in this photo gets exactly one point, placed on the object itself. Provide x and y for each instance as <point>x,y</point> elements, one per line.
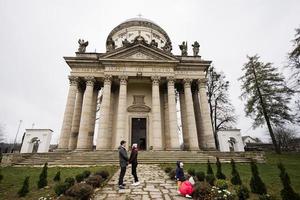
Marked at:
<point>138,86</point>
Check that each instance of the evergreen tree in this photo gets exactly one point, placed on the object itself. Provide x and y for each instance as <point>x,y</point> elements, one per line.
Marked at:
<point>57,176</point>
<point>256,184</point>
<point>43,177</point>
<point>221,110</point>
<point>294,69</point>
<point>219,173</point>
<point>209,169</point>
<point>287,192</point>
<point>25,188</point>
<point>235,176</point>
<point>266,94</point>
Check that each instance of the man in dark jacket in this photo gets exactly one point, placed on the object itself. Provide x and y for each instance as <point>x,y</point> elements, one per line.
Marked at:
<point>123,163</point>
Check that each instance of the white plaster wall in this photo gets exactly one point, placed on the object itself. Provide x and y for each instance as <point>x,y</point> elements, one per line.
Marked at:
<point>224,136</point>
<point>44,135</point>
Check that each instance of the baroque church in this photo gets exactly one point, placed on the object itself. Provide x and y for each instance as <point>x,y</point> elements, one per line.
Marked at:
<point>137,86</point>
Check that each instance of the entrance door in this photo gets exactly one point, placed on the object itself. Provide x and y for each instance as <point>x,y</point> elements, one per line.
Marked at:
<point>138,133</point>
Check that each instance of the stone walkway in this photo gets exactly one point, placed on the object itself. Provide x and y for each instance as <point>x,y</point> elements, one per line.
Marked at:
<point>155,184</point>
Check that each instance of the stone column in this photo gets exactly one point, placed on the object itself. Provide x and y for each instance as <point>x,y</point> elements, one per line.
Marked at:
<point>190,115</point>
<point>121,116</point>
<point>166,120</point>
<point>93,116</point>
<point>69,110</point>
<point>156,115</point>
<point>208,137</point>
<point>174,139</point>
<point>198,116</point>
<point>104,137</point>
<point>76,119</point>
<point>84,127</point>
<point>183,119</point>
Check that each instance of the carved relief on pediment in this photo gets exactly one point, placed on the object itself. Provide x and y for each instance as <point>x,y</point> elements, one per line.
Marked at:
<point>141,56</point>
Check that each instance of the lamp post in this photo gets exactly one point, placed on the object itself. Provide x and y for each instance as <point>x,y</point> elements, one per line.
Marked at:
<point>15,141</point>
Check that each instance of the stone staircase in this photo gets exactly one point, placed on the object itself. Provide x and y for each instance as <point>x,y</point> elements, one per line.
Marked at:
<point>145,157</point>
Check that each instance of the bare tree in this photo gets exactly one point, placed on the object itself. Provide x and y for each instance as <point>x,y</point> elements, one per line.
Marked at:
<point>221,110</point>
<point>284,137</point>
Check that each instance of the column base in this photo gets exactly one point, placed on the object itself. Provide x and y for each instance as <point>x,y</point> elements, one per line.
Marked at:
<point>174,149</point>
<point>105,149</point>
<point>82,149</point>
<point>62,150</point>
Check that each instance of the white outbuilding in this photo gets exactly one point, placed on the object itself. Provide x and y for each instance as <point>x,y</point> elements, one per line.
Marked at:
<point>230,140</point>
<point>36,141</point>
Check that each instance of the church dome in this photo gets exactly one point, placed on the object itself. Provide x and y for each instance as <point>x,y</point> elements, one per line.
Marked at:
<point>134,27</point>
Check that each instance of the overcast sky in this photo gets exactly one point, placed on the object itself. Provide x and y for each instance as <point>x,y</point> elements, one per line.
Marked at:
<point>35,35</point>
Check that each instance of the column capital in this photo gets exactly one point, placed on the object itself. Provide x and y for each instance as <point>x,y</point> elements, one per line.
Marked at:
<point>187,82</point>
<point>74,80</point>
<point>90,80</point>
<point>107,79</point>
<point>123,79</point>
<point>155,80</point>
<point>202,82</point>
<point>171,80</point>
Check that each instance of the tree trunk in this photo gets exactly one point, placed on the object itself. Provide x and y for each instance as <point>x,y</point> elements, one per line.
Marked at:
<point>277,148</point>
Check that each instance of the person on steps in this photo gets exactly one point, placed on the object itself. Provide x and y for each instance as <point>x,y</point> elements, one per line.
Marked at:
<point>123,158</point>
<point>134,163</point>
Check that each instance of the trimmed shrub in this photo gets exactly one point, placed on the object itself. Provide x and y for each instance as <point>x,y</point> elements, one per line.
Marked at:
<point>25,188</point>
<point>86,173</point>
<point>210,178</point>
<point>191,171</point>
<point>256,184</point>
<point>209,169</point>
<point>219,173</point>
<point>242,192</point>
<point>70,181</point>
<point>287,192</point>
<point>202,191</point>
<point>235,176</point>
<point>1,177</point>
<point>79,178</point>
<point>172,174</point>
<point>95,181</point>
<point>57,177</point>
<point>222,184</point>
<point>43,177</point>
<point>168,169</point>
<point>200,175</point>
<point>80,191</point>
<point>103,173</point>
<point>61,188</point>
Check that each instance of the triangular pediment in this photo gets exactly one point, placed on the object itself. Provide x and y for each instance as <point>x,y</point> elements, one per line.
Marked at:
<point>139,52</point>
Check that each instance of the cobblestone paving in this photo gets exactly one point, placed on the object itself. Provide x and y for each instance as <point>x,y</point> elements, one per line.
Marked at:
<point>155,184</point>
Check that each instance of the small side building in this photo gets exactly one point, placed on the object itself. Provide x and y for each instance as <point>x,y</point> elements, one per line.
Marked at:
<point>230,140</point>
<point>36,141</point>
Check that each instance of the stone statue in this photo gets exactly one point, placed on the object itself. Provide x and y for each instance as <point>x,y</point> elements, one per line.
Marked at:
<point>196,46</point>
<point>126,43</point>
<point>110,44</point>
<point>167,47</point>
<point>153,43</point>
<point>82,45</point>
<point>183,48</point>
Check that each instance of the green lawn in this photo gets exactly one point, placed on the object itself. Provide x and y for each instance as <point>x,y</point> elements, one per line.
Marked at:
<point>14,177</point>
<point>268,171</point>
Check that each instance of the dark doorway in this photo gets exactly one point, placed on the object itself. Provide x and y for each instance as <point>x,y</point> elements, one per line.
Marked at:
<point>139,132</point>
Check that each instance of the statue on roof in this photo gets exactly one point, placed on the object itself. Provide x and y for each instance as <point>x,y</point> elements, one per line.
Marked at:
<point>110,44</point>
<point>82,45</point>
<point>183,48</point>
<point>196,47</point>
<point>126,43</point>
<point>167,47</point>
<point>153,43</point>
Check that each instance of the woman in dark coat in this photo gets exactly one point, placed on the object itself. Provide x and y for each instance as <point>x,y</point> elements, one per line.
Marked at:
<point>134,163</point>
